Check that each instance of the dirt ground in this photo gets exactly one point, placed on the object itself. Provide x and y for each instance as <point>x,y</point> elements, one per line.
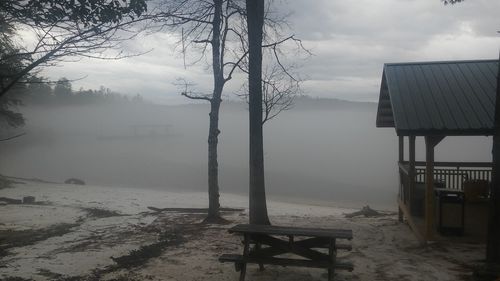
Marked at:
<point>99,233</point>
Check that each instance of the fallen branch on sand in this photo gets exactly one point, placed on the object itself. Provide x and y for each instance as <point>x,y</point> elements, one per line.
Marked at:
<point>193,210</point>
<point>11,200</point>
<point>140,256</point>
<point>101,213</point>
<point>367,212</point>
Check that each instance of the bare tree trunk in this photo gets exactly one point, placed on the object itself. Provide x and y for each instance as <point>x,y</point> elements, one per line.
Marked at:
<point>213,131</point>
<point>257,192</point>
<point>215,24</point>
<point>213,165</point>
<point>493,243</point>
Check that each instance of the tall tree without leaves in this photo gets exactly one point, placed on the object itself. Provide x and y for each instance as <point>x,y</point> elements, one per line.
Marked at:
<point>257,191</point>
<point>217,30</point>
<point>207,25</point>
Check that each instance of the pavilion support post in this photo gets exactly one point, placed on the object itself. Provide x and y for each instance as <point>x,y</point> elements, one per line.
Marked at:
<point>430,143</point>
<point>493,238</point>
<point>401,148</point>
<point>401,159</point>
<point>411,170</point>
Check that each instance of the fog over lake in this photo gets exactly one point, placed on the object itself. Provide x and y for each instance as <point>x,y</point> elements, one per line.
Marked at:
<point>322,151</point>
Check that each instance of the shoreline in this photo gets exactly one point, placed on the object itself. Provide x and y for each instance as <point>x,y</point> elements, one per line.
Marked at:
<point>313,202</point>
<point>75,232</point>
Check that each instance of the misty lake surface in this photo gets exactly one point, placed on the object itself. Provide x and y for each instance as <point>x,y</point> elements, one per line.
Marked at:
<point>317,154</point>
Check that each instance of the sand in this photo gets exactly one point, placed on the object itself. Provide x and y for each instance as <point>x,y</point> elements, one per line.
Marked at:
<point>73,231</point>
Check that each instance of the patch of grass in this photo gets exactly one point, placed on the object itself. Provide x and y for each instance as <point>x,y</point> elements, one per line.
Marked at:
<point>11,278</point>
<point>101,213</point>
<point>140,256</point>
<point>19,238</point>
<point>6,183</point>
<point>129,277</point>
<point>49,274</point>
<point>98,275</point>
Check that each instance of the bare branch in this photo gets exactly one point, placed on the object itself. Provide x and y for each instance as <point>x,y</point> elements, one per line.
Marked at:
<point>185,85</point>
<point>13,137</point>
<point>235,65</point>
<point>274,44</point>
<point>202,41</point>
<point>62,38</point>
<point>196,22</point>
<point>50,82</point>
<point>193,97</point>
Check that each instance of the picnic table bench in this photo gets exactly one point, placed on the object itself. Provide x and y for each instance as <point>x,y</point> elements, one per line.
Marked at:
<point>305,250</point>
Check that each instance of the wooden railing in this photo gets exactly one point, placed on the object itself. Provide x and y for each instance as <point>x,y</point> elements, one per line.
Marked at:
<point>453,175</point>
<point>450,175</point>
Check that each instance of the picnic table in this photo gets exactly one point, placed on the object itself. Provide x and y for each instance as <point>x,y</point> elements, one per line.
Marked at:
<point>317,247</point>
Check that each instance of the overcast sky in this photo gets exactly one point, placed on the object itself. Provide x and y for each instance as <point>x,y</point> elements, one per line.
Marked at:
<point>350,40</point>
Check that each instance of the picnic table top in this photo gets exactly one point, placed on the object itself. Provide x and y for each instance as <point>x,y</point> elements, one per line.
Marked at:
<point>291,230</point>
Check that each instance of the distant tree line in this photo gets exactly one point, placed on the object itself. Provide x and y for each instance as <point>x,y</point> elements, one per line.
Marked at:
<point>62,29</point>
<point>38,91</point>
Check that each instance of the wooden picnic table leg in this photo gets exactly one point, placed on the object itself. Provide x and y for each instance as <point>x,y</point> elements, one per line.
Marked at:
<point>257,248</point>
<point>245,256</point>
<point>332,254</point>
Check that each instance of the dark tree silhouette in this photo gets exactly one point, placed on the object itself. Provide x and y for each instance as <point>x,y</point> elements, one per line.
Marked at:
<point>39,90</point>
<point>63,89</point>
<point>257,191</point>
<point>8,116</point>
<point>63,29</point>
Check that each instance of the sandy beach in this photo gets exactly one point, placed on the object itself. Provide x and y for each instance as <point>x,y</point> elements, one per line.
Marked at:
<point>108,233</point>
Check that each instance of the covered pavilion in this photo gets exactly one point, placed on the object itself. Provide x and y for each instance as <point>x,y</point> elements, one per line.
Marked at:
<point>434,100</point>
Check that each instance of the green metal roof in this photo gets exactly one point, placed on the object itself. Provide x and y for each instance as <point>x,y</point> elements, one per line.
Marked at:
<point>438,98</point>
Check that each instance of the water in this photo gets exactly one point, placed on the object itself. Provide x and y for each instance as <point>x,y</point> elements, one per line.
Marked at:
<point>326,155</point>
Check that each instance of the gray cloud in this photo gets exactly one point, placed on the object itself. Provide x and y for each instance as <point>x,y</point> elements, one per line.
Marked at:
<point>351,40</point>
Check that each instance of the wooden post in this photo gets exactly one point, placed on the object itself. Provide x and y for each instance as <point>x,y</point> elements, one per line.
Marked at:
<point>246,249</point>
<point>411,171</point>
<point>257,249</point>
<point>332,254</point>
<point>430,143</point>
<point>401,149</point>
<point>429,189</point>
<point>401,190</point>
<point>493,238</point>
